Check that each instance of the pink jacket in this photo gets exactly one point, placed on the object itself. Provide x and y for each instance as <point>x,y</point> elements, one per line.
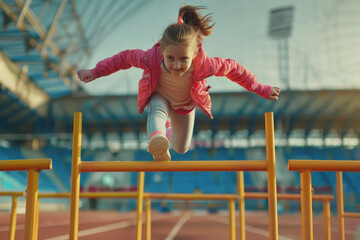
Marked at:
<point>204,66</point>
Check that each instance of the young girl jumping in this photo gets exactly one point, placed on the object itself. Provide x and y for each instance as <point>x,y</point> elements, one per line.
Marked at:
<point>174,80</point>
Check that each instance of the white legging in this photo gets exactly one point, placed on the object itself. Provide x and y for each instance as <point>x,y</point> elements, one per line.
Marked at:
<point>182,125</point>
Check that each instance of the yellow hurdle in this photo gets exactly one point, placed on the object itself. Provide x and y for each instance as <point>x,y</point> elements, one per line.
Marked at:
<point>33,167</point>
<point>78,166</point>
<point>305,167</point>
<point>139,203</point>
<point>166,196</point>
<point>325,198</point>
<point>340,206</point>
<point>271,175</point>
<point>241,193</point>
<point>193,197</point>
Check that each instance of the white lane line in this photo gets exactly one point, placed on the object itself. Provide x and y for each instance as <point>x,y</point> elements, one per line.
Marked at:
<point>104,228</point>
<point>252,229</point>
<point>178,226</point>
<point>42,224</point>
<point>97,230</point>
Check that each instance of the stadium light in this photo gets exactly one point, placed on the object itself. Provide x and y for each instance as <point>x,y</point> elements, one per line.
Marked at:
<point>281,22</point>
<point>280,26</point>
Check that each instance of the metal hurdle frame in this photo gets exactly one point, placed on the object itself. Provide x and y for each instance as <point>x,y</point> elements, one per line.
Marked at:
<point>230,198</point>
<point>340,205</point>
<point>267,165</point>
<point>324,198</point>
<point>33,167</point>
<point>305,167</point>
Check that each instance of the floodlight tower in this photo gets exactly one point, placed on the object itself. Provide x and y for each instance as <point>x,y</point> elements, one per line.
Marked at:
<point>280,26</point>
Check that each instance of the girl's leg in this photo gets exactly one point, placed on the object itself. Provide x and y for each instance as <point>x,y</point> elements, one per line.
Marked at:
<point>157,115</point>
<point>182,130</point>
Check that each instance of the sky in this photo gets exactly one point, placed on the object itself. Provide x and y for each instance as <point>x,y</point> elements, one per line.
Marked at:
<point>323,48</point>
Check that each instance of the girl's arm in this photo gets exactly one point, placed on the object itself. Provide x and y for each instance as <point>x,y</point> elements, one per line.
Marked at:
<point>242,76</point>
<point>121,61</point>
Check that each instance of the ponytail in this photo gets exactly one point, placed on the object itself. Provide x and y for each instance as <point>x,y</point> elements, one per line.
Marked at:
<point>192,16</point>
<point>191,25</point>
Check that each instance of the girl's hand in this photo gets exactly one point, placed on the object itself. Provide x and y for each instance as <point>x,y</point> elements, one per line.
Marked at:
<point>85,76</point>
<point>274,93</point>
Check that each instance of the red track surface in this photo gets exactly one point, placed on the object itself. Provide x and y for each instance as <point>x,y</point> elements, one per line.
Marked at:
<point>185,226</point>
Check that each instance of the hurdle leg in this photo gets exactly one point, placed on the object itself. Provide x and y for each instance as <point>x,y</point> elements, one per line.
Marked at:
<point>13,218</point>
<point>31,205</point>
<point>271,175</point>
<point>232,219</point>
<point>241,192</point>
<point>306,206</point>
<point>139,207</point>
<point>340,204</point>
<point>148,219</point>
<point>75,177</point>
<point>37,212</point>
<point>327,219</point>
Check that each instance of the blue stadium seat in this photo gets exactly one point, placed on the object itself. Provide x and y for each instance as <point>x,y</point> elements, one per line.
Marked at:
<point>59,165</point>
<point>202,153</point>
<point>45,183</point>
<point>222,154</point>
<point>206,182</point>
<point>355,153</point>
<point>227,182</point>
<point>158,182</point>
<point>188,156</point>
<point>239,154</point>
<point>183,182</point>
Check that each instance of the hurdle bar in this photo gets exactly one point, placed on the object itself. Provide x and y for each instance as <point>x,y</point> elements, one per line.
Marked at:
<point>78,166</point>
<point>33,167</point>
<point>305,167</point>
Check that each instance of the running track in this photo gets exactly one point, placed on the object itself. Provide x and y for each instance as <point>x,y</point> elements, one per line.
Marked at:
<point>170,226</point>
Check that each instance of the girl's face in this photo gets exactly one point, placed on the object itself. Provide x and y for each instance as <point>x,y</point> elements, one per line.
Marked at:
<point>178,58</point>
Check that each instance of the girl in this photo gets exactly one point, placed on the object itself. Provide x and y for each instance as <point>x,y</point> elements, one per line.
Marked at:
<point>174,80</point>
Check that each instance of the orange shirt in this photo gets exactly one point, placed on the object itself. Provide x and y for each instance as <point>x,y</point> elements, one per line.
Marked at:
<point>177,90</point>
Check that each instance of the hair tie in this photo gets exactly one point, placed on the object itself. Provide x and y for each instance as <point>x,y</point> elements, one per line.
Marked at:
<point>180,18</point>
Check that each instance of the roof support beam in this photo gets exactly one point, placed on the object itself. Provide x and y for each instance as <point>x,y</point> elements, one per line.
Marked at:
<point>16,81</point>
<point>64,69</point>
<point>52,31</point>
<point>24,10</point>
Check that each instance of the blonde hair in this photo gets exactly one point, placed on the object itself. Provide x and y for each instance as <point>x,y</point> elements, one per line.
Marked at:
<point>194,27</point>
